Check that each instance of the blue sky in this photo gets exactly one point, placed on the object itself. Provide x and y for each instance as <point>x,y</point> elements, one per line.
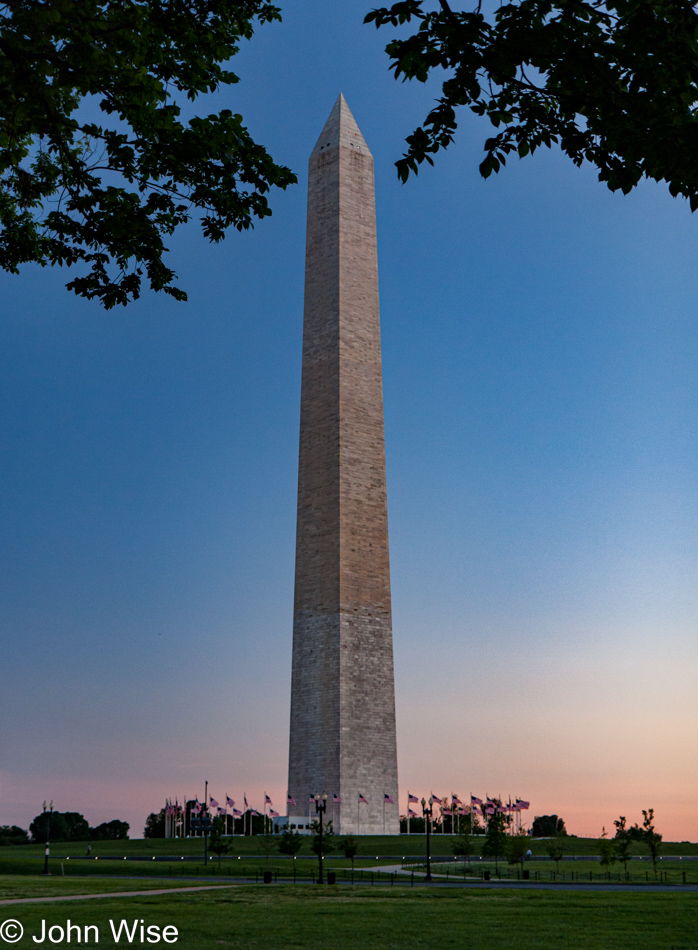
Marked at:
<point>540,343</point>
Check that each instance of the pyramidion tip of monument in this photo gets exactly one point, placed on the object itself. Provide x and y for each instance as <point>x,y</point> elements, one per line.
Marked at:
<point>341,130</point>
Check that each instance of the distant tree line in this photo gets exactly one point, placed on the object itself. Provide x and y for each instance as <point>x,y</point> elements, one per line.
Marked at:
<point>63,826</point>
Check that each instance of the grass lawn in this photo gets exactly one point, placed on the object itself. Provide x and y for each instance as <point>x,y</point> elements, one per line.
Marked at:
<point>14,886</point>
<point>313,918</point>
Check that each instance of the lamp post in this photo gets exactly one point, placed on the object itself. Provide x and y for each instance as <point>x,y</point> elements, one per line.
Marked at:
<point>320,809</point>
<point>427,811</point>
<point>48,814</point>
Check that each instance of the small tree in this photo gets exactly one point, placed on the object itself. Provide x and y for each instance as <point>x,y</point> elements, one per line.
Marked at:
<point>216,842</point>
<point>621,842</point>
<point>462,847</point>
<point>607,850</point>
<point>555,848</point>
<point>349,847</point>
<point>517,847</point>
<point>290,842</point>
<point>650,836</point>
<point>495,839</point>
<point>328,844</point>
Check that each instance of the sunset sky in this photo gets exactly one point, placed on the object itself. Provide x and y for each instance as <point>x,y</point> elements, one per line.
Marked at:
<point>540,360</point>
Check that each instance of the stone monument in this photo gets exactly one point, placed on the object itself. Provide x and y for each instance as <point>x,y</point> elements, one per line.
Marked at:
<point>342,694</point>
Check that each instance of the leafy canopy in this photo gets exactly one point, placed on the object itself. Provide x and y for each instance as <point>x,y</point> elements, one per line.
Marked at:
<point>614,83</point>
<point>97,164</point>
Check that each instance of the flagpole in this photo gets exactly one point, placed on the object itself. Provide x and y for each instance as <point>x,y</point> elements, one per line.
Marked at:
<point>358,813</point>
<point>408,813</point>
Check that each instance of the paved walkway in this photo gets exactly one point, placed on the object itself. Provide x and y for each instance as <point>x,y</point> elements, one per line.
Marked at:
<point>87,897</point>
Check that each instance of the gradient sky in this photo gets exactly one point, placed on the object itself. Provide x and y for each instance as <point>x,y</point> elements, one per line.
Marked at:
<point>540,345</point>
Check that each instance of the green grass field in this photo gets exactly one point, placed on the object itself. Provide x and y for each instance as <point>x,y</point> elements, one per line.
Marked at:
<point>177,859</point>
<point>314,918</point>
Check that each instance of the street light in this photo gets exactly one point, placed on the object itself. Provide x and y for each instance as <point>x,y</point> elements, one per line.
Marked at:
<point>49,815</point>
<point>320,809</point>
<point>427,811</point>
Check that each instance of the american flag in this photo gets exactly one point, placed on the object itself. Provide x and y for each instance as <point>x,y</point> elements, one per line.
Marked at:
<point>389,799</point>
<point>214,803</point>
<point>237,813</point>
<point>312,798</point>
<point>522,804</point>
<point>474,800</point>
<point>244,798</point>
<point>253,811</point>
<point>337,799</point>
<point>412,798</point>
<point>229,802</point>
<point>455,799</point>
<point>411,814</point>
<point>290,801</point>
<point>195,808</point>
<point>437,801</point>
<point>267,800</point>
<point>274,814</point>
<point>362,799</point>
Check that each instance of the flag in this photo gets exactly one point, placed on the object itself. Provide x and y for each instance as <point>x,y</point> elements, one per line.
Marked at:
<point>253,811</point>
<point>244,798</point>
<point>267,800</point>
<point>523,804</point>
<point>222,811</point>
<point>290,801</point>
<point>412,798</point>
<point>237,813</point>
<point>474,800</point>
<point>455,799</point>
<point>388,799</point>
<point>446,811</point>
<point>337,799</point>
<point>195,808</point>
<point>312,799</point>
<point>437,801</point>
<point>411,814</point>
<point>274,814</point>
<point>362,799</point>
<point>214,803</point>
<point>229,802</point>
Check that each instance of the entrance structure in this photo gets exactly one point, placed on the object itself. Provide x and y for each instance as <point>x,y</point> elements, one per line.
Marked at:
<point>342,693</point>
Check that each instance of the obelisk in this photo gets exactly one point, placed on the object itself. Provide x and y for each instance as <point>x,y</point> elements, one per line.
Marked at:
<point>342,693</point>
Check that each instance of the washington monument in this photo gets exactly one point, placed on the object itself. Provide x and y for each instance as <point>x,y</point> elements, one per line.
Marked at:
<point>342,692</point>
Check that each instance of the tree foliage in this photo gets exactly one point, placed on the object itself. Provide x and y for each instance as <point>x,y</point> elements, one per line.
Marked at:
<point>607,851</point>
<point>97,164</point>
<point>114,830</point>
<point>13,834</point>
<point>517,847</point>
<point>328,841</point>
<point>555,846</point>
<point>613,83</point>
<point>546,825</point>
<point>155,824</point>
<point>60,826</point>
<point>290,842</point>
<point>494,845</point>
<point>622,841</point>
<point>462,846</point>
